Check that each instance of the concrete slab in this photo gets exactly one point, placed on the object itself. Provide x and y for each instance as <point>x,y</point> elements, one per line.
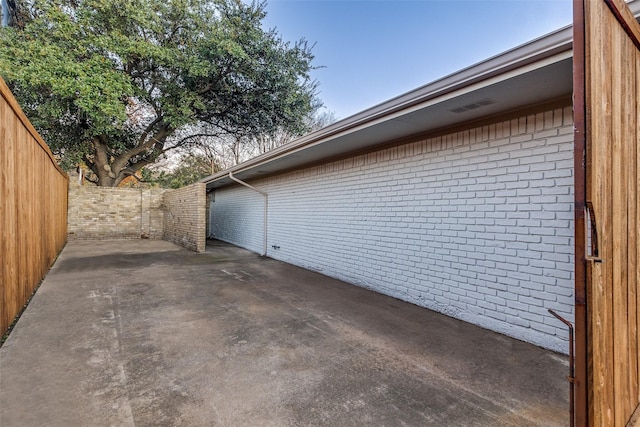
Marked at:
<point>144,333</point>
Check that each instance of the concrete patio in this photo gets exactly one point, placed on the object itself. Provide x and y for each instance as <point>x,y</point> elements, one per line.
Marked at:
<point>144,333</point>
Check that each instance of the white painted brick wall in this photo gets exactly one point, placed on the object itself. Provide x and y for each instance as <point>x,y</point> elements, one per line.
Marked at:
<point>237,217</point>
<point>477,225</point>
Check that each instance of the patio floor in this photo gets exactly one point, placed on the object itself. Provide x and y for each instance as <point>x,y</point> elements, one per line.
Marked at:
<point>144,333</point>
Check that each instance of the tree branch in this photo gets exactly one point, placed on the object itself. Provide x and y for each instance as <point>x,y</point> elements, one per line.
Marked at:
<point>132,170</point>
<point>158,138</point>
<point>186,139</point>
<point>148,129</point>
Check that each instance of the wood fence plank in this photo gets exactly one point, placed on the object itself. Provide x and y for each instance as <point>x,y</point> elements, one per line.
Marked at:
<point>629,127</point>
<point>601,408</point>
<point>21,225</point>
<point>618,260</point>
<point>637,219</point>
<point>9,216</point>
<point>4,205</point>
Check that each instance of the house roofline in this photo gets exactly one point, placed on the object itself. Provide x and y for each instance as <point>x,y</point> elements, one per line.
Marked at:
<point>553,47</point>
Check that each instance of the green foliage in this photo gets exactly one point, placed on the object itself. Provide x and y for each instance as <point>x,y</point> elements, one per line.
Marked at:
<point>118,83</point>
<point>192,168</point>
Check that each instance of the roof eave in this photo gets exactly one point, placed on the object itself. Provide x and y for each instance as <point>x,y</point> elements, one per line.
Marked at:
<point>534,51</point>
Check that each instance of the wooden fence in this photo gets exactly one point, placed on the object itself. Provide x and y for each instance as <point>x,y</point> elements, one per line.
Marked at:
<point>607,96</point>
<point>33,208</point>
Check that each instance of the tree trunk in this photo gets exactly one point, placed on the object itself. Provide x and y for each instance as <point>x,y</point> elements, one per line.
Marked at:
<point>101,166</point>
<point>111,171</point>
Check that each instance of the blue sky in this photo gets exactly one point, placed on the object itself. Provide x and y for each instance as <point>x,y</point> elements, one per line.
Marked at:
<point>371,51</point>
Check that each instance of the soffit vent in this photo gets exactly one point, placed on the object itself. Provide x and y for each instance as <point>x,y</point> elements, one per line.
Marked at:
<point>473,106</point>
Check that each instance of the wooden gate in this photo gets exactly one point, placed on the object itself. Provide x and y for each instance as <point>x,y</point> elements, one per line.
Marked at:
<point>607,95</point>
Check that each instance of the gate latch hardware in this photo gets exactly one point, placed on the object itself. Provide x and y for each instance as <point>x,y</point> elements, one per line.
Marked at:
<point>594,237</point>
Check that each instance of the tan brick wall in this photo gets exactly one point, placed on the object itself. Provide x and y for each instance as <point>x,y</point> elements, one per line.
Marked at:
<point>185,220</point>
<point>114,213</point>
<point>153,214</point>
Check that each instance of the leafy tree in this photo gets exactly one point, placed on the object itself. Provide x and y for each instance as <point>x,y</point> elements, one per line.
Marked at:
<point>116,84</point>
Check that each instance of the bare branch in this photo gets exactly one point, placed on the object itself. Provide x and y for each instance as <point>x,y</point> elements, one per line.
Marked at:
<point>148,129</point>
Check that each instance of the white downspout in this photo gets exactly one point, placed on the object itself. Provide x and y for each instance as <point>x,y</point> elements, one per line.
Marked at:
<point>266,204</point>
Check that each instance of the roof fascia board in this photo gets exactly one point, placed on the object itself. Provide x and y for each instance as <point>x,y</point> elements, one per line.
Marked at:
<point>429,102</point>
<point>447,130</point>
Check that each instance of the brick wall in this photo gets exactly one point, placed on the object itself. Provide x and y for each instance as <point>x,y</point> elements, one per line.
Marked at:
<point>114,213</point>
<point>477,224</point>
<point>132,213</point>
<point>185,217</point>
<point>238,217</point>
